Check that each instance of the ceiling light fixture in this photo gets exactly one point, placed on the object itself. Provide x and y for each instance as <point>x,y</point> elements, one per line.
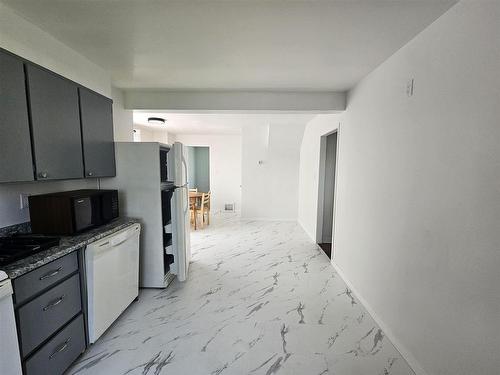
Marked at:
<point>156,120</point>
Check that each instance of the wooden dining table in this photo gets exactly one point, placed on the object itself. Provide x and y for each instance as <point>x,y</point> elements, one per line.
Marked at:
<point>194,196</point>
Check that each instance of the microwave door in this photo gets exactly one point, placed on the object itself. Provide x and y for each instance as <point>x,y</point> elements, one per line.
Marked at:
<point>82,208</point>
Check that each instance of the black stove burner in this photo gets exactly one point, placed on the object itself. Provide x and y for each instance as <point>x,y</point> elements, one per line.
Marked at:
<point>21,246</point>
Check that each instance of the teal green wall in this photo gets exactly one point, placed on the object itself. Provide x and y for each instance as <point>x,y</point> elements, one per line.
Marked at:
<point>199,168</point>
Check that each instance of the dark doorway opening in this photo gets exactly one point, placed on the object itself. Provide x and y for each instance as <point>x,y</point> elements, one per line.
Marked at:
<point>327,248</point>
<point>326,201</point>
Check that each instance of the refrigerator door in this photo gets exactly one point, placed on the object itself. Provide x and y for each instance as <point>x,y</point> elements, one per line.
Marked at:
<point>181,233</point>
<point>179,166</point>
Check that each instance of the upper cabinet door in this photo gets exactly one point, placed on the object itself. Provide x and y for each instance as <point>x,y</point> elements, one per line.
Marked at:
<point>97,134</point>
<point>55,125</point>
<point>16,163</point>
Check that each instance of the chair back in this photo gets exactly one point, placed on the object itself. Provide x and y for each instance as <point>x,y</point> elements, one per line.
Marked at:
<point>205,200</point>
<point>194,190</point>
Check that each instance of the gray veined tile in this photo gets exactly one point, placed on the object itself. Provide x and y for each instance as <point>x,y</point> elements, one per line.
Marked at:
<point>261,299</point>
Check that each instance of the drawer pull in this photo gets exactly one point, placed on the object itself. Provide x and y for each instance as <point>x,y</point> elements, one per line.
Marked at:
<point>55,303</point>
<point>51,274</point>
<point>60,349</point>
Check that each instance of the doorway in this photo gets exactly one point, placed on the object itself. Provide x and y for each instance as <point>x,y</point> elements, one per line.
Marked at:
<point>326,196</point>
<point>199,168</point>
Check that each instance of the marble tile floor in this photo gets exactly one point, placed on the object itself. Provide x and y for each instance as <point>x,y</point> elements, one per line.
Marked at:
<point>261,298</point>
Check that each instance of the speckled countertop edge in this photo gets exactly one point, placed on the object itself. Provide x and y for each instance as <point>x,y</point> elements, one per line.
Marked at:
<point>66,246</point>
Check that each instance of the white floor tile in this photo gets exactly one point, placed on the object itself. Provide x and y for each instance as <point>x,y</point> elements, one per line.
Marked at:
<point>261,299</point>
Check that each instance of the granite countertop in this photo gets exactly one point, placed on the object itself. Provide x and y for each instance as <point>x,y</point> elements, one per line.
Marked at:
<point>67,245</point>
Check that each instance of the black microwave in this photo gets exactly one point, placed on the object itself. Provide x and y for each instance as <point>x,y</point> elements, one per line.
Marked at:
<point>71,212</point>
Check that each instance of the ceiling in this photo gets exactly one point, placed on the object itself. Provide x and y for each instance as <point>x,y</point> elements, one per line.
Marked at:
<point>212,123</point>
<point>240,44</point>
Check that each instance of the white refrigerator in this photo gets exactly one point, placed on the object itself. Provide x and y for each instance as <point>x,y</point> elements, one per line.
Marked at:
<point>152,186</point>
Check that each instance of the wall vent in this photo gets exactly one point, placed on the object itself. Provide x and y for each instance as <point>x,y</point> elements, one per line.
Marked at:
<point>229,207</point>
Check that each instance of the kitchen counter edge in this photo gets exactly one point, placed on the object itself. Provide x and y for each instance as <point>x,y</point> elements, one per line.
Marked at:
<point>67,245</point>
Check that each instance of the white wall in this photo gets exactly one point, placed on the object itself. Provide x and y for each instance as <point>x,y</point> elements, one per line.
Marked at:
<point>123,119</point>
<point>309,170</point>
<point>24,39</point>
<point>225,166</point>
<point>148,134</point>
<point>234,100</point>
<point>27,40</point>
<point>418,209</point>
<point>270,189</point>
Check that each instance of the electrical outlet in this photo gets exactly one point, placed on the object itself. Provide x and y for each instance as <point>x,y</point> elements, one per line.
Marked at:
<point>23,201</point>
<point>409,87</point>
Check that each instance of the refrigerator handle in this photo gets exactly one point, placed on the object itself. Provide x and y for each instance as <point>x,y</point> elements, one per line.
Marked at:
<point>184,164</point>
<point>187,201</point>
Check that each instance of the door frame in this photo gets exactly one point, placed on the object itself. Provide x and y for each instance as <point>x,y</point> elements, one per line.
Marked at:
<point>321,188</point>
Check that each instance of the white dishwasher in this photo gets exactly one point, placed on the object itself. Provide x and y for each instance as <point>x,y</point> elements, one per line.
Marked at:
<point>112,266</point>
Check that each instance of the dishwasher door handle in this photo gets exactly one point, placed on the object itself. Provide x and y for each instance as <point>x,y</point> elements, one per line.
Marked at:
<point>124,236</point>
<point>112,241</point>
<point>121,242</point>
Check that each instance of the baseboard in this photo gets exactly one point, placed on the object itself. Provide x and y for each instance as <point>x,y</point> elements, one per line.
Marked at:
<point>268,219</point>
<point>405,353</point>
<point>313,239</point>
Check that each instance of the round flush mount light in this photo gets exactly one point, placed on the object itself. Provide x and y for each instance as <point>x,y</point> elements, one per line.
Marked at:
<point>156,120</point>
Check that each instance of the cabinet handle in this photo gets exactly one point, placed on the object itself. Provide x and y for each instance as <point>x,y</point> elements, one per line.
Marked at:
<point>55,303</point>
<point>43,175</point>
<point>90,174</point>
<point>60,349</point>
<point>51,274</point>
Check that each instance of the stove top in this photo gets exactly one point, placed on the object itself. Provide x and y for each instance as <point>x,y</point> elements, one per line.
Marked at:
<point>21,246</point>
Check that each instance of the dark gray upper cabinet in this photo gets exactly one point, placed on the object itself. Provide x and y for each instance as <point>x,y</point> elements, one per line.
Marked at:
<point>15,145</point>
<point>97,134</point>
<point>50,127</point>
<point>55,120</point>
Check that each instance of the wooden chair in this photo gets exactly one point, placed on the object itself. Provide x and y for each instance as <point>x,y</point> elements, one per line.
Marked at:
<point>193,214</point>
<point>204,208</point>
<point>193,208</point>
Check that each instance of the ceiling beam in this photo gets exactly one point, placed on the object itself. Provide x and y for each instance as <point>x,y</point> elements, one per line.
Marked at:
<point>235,101</point>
